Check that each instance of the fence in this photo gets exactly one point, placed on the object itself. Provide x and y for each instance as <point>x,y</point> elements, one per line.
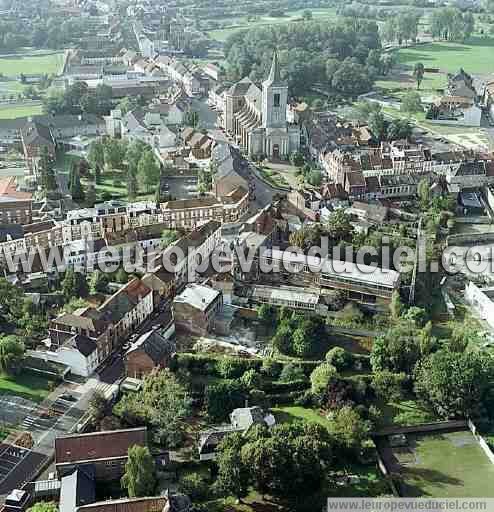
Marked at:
<point>482,442</point>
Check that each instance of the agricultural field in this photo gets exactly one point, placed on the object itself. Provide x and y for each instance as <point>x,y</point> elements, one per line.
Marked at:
<point>446,464</point>
<point>235,24</point>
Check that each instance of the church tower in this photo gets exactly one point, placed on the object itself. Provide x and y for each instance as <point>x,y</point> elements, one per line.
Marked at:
<point>274,97</point>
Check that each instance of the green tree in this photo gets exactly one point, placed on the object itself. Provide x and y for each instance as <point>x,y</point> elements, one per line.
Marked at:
<point>291,373</point>
<point>418,73</point>
<point>139,477</point>
<point>424,193</point>
<point>148,170</point>
<point>11,354</point>
<point>233,476</point>
<point>223,397</point>
<point>99,282</point>
<point>44,506</point>
<point>321,376</point>
<point>75,185</point>
<point>456,384</point>
<point>168,236</point>
<point>377,125</point>
<point>46,167</point>
<point>339,358</point>
<point>132,185</point>
<point>297,159</point>
<point>349,428</point>
<point>266,313</point>
<point>74,284</point>
<point>388,385</point>
<point>114,153</point>
<point>96,157</point>
<point>98,405</point>
<point>396,305</point>
<point>411,103</point>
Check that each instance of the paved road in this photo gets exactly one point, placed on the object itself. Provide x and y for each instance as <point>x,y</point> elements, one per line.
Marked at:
<point>56,416</point>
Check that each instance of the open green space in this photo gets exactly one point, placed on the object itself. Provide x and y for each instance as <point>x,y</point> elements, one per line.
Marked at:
<point>451,464</point>
<point>405,413</point>
<point>25,385</point>
<point>14,111</point>
<point>475,56</point>
<point>235,24</point>
<point>40,63</point>
<point>291,414</point>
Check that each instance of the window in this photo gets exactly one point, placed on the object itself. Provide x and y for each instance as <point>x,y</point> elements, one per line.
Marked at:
<point>276,100</point>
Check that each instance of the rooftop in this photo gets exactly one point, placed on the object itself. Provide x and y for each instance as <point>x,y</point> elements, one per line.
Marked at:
<point>197,296</point>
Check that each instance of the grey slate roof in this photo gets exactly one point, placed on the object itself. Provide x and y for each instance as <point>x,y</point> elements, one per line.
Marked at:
<point>154,345</point>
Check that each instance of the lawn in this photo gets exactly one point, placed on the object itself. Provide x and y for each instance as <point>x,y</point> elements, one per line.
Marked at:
<point>476,56</point>
<point>405,413</point>
<point>26,385</point>
<point>451,464</point>
<point>291,414</point>
<point>12,112</point>
<point>42,63</point>
<point>237,24</point>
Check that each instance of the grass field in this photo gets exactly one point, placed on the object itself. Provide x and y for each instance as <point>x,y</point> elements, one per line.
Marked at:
<point>451,465</point>
<point>39,62</point>
<point>475,56</point>
<point>234,25</point>
<point>12,112</point>
<point>291,414</point>
<point>25,385</point>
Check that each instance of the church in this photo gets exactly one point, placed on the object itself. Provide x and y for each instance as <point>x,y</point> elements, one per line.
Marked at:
<point>258,118</point>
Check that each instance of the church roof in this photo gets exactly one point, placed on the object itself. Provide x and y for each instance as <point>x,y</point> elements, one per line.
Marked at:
<point>241,88</point>
<point>274,77</point>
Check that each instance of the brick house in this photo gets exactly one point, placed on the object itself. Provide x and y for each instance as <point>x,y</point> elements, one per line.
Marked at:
<point>195,309</point>
<point>166,503</point>
<point>35,136</point>
<point>105,451</point>
<point>152,350</point>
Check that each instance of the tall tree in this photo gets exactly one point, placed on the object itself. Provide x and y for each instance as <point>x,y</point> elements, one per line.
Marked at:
<point>46,167</point>
<point>418,73</point>
<point>139,478</point>
<point>11,354</point>
<point>148,170</point>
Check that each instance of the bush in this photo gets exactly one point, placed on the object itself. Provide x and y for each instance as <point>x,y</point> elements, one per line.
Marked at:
<point>339,358</point>
<point>194,486</point>
<point>271,368</point>
<point>223,397</point>
<point>291,372</point>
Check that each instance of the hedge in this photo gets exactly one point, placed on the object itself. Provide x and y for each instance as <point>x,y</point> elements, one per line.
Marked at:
<point>206,364</point>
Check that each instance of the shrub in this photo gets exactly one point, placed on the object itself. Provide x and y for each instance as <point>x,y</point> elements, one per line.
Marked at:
<point>291,372</point>
<point>339,358</point>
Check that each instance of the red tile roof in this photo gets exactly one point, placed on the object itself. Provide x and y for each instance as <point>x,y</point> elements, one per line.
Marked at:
<point>98,445</point>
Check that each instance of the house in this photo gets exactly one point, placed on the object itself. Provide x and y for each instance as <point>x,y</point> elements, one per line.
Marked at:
<point>16,206</point>
<point>106,451</point>
<point>195,309</point>
<point>231,170</point>
<point>482,301</point>
<point>167,503</point>
<point>34,137</point>
<point>241,420</point>
<point>192,252</point>
<point>77,488</point>
<point>148,127</point>
<point>128,308</point>
<point>199,143</point>
<point>161,283</point>
<point>151,350</point>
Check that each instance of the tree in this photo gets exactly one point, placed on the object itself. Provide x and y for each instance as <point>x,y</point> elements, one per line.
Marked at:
<point>11,354</point>
<point>396,305</point>
<point>74,284</point>
<point>388,385</point>
<point>424,193</point>
<point>233,476</point>
<point>456,384</point>
<point>191,118</point>
<point>148,170</point>
<point>339,358</point>
<point>114,152</point>
<point>411,103</point>
<point>96,158</point>
<point>168,236</point>
<point>75,185</point>
<point>139,478</point>
<point>195,486</point>
<point>315,178</point>
<point>44,506</point>
<point>132,186</point>
<point>46,169</point>
<point>121,276</point>
<point>418,73</point>
<point>99,282</point>
<point>321,376</point>
<point>223,397</point>
<point>267,314</point>
<point>338,225</point>
<point>292,373</point>
<point>349,428</point>
<point>377,125</point>
<point>399,129</point>
<point>162,403</point>
<point>401,347</point>
<point>307,15</point>
<point>351,78</point>
<point>98,405</point>
<point>297,159</point>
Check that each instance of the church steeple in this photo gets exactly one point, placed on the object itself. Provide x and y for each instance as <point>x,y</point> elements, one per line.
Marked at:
<point>274,77</point>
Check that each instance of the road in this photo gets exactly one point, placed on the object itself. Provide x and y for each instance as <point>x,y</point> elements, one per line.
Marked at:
<point>57,415</point>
